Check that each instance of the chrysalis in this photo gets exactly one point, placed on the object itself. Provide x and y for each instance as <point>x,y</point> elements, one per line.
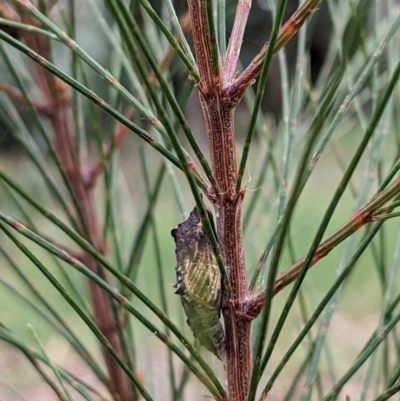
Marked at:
<point>199,283</point>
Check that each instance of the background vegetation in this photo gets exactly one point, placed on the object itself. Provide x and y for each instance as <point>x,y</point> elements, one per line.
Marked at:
<point>328,116</point>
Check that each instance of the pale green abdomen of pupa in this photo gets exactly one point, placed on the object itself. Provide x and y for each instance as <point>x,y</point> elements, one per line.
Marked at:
<point>199,284</point>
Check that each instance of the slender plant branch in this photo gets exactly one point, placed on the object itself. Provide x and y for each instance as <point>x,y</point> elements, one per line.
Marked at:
<point>374,210</point>
<point>69,299</point>
<point>289,29</point>
<point>235,42</point>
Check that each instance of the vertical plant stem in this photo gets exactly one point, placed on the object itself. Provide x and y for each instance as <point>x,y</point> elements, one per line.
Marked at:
<point>218,114</point>
<point>86,220</point>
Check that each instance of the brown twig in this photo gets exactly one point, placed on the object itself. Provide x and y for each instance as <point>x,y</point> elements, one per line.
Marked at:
<point>17,95</point>
<point>235,42</point>
<point>372,211</point>
<point>236,89</point>
<point>170,54</point>
<point>202,45</point>
<point>119,134</point>
<point>61,121</point>
<point>122,130</point>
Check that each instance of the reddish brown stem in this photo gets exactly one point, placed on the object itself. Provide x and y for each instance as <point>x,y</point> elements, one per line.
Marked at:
<point>17,95</point>
<point>220,129</point>
<point>61,120</point>
<point>218,111</point>
<point>202,45</point>
<point>119,135</point>
<point>218,103</point>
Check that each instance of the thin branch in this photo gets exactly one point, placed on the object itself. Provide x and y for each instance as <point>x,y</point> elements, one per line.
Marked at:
<point>366,214</point>
<point>235,42</point>
<point>17,95</point>
<point>201,39</point>
<point>118,136</point>
<point>91,96</point>
<point>25,27</point>
<point>289,29</point>
<point>319,309</point>
<point>170,54</point>
<point>186,56</point>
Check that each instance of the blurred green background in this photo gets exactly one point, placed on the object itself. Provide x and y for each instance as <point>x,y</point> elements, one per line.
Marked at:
<point>361,299</point>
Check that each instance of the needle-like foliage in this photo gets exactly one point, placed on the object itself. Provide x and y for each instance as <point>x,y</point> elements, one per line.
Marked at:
<point>295,289</point>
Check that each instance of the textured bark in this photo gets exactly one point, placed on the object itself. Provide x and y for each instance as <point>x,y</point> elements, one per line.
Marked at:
<point>219,117</point>
<point>218,112</point>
